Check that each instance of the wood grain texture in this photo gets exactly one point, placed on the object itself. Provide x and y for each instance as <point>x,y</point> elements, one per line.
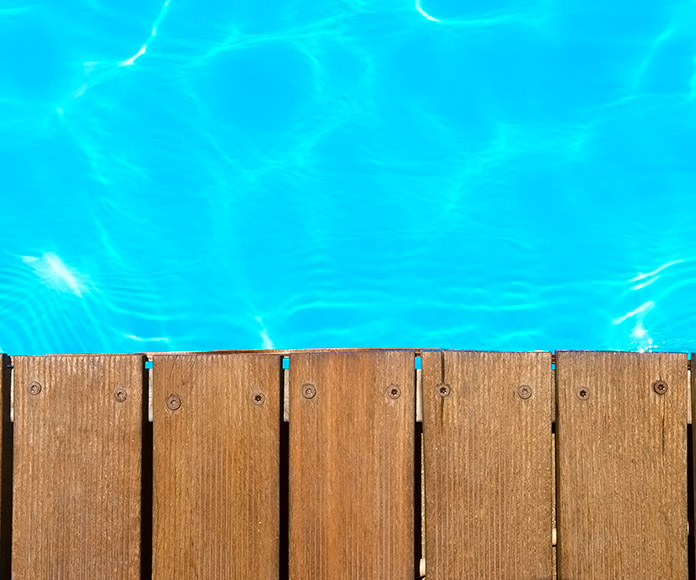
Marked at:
<point>352,466</point>
<point>77,467</point>
<point>622,467</point>
<point>216,467</point>
<point>488,465</point>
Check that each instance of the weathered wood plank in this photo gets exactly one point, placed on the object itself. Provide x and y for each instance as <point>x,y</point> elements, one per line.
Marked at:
<point>77,466</point>
<point>216,466</point>
<point>352,429</point>
<point>488,465</point>
<point>622,469</point>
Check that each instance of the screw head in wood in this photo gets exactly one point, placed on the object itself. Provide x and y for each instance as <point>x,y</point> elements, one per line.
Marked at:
<point>121,395</point>
<point>393,391</point>
<point>173,402</point>
<point>660,387</point>
<point>443,390</point>
<point>309,391</point>
<point>258,398</point>
<point>583,393</point>
<point>524,392</point>
<point>34,388</point>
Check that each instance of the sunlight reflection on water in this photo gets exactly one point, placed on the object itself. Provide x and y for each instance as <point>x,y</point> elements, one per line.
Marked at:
<point>488,175</point>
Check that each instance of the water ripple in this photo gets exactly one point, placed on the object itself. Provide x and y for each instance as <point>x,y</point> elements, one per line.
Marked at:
<point>499,175</point>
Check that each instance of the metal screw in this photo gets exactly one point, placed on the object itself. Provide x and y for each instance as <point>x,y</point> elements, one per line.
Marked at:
<point>173,402</point>
<point>583,393</point>
<point>121,395</point>
<point>443,390</point>
<point>258,398</point>
<point>309,391</point>
<point>524,392</point>
<point>660,387</point>
<point>393,392</point>
<point>34,388</point>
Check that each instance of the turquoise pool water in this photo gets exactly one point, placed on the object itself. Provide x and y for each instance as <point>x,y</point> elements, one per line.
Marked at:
<point>494,174</point>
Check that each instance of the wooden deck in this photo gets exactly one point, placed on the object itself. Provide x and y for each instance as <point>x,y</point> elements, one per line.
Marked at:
<point>347,464</point>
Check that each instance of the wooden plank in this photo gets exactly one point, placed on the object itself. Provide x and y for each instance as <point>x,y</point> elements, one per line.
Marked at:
<point>77,466</point>
<point>622,468</point>
<point>5,468</point>
<point>216,466</point>
<point>352,429</point>
<point>488,465</point>
<point>5,427</point>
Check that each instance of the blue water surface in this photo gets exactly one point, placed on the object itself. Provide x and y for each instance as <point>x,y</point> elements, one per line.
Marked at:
<point>494,174</point>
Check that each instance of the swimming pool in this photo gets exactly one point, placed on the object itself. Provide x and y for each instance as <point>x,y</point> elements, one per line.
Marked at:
<point>504,175</point>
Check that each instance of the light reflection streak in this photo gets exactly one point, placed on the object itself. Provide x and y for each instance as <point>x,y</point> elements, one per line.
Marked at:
<point>266,341</point>
<point>651,276</point>
<point>143,49</point>
<point>55,273</point>
<point>139,339</point>
<point>642,276</point>
<point>641,310</point>
<point>642,280</point>
<point>424,13</point>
